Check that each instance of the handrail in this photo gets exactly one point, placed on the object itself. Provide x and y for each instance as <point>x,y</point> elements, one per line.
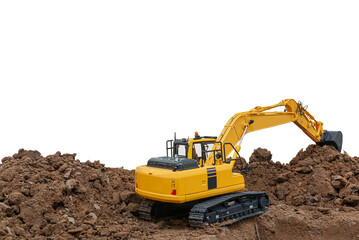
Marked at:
<point>235,159</point>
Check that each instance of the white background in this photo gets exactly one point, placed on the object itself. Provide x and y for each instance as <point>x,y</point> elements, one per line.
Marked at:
<point>113,80</point>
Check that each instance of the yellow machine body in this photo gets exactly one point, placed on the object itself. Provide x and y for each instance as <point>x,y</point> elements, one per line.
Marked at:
<point>212,175</point>
<point>183,186</point>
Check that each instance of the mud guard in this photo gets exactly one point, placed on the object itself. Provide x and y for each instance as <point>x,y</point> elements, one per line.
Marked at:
<point>332,138</point>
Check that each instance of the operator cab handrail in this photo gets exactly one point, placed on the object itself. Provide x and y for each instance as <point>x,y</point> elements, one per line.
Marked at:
<point>246,168</point>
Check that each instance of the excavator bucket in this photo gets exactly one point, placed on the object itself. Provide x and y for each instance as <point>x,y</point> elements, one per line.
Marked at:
<point>332,138</point>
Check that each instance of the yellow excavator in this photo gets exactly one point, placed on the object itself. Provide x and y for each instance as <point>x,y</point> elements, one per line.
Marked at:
<point>196,175</point>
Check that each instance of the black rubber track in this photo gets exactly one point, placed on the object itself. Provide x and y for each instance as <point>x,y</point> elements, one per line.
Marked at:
<point>221,210</point>
<point>229,208</point>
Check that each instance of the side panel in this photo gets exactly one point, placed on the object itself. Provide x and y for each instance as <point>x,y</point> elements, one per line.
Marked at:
<point>212,178</point>
<point>183,186</point>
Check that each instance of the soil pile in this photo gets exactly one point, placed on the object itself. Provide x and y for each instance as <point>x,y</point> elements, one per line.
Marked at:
<point>58,197</point>
<point>315,196</point>
<point>318,176</point>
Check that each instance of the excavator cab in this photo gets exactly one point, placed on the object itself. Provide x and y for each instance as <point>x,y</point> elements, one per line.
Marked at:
<point>197,148</point>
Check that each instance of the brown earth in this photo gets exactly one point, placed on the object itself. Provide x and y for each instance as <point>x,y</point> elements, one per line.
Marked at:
<point>315,196</point>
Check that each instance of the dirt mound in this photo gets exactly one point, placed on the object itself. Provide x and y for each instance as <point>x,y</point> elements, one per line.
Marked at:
<point>315,196</point>
<point>318,176</point>
<point>58,197</point>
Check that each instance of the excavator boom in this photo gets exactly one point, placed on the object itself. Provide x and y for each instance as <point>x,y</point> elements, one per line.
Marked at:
<point>259,118</point>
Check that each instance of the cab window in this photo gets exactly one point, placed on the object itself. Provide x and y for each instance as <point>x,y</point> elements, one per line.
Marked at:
<point>181,150</point>
<point>200,150</point>
<point>207,146</point>
<point>197,151</point>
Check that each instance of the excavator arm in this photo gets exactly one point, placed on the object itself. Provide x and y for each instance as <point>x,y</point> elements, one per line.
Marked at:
<point>260,117</point>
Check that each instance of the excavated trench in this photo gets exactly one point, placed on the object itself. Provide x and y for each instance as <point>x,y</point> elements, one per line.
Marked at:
<point>315,196</point>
